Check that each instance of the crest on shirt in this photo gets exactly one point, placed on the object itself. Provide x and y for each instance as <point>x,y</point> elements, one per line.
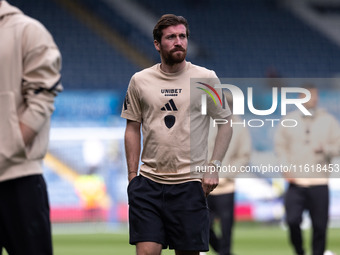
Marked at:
<point>169,120</point>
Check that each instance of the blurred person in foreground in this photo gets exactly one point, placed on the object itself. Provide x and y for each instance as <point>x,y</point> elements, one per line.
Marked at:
<point>167,200</point>
<point>221,201</point>
<point>29,81</point>
<point>311,144</point>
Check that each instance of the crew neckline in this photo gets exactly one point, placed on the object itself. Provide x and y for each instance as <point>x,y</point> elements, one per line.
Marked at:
<point>173,74</point>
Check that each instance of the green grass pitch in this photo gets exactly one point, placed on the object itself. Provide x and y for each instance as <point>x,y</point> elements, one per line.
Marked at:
<point>249,238</point>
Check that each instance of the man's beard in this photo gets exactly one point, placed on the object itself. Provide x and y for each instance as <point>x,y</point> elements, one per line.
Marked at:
<point>175,56</point>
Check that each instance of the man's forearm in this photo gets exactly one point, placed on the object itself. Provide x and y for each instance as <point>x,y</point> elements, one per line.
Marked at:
<point>132,148</point>
<point>222,141</point>
<point>210,179</point>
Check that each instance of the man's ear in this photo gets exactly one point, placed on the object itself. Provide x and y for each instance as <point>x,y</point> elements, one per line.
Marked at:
<point>157,45</point>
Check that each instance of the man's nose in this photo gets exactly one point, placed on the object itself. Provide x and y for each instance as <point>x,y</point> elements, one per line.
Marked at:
<point>178,40</point>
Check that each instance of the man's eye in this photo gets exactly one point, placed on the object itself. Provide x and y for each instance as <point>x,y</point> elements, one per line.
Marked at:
<point>172,37</point>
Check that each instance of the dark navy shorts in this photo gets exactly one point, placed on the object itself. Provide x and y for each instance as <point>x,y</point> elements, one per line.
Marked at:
<point>25,226</point>
<point>173,215</point>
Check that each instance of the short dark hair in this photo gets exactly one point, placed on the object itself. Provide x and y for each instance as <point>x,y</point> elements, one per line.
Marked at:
<point>168,20</point>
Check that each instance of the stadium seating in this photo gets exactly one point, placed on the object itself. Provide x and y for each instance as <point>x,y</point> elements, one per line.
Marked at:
<point>246,38</point>
<point>235,38</point>
<point>89,62</point>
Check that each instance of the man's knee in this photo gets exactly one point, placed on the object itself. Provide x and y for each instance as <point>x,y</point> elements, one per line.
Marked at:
<point>320,227</point>
<point>148,248</point>
<point>294,221</point>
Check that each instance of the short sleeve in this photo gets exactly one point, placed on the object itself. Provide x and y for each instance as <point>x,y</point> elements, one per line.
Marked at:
<point>217,105</point>
<point>131,107</point>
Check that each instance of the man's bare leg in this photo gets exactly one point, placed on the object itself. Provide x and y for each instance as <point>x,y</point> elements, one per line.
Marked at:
<point>148,248</point>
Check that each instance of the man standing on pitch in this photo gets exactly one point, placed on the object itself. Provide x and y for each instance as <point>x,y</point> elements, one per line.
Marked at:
<point>168,198</point>
<point>29,81</point>
<point>310,145</point>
